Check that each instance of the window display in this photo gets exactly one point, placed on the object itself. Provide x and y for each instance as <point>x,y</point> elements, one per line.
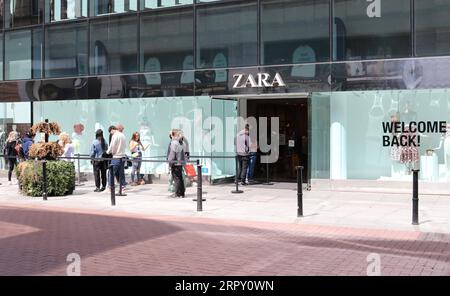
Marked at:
<point>357,127</point>
<point>153,118</point>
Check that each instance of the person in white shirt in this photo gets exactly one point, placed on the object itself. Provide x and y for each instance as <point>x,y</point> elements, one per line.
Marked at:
<point>117,150</point>
<point>66,143</point>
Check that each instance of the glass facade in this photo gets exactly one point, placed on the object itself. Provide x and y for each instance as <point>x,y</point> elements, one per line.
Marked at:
<point>223,43</point>
<point>362,32</point>
<point>166,41</point>
<point>155,4</point>
<point>432,27</point>
<point>13,117</point>
<point>23,54</point>
<point>160,35</point>
<point>20,13</point>
<point>67,50</point>
<point>149,63</point>
<point>113,46</point>
<point>60,10</point>
<point>294,32</point>
<point>353,123</point>
<point>153,119</point>
<point>102,7</point>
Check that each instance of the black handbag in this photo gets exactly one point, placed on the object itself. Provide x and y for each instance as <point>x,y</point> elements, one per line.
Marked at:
<point>128,163</point>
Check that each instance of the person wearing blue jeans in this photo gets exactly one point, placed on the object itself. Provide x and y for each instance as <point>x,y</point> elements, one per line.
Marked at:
<point>251,166</point>
<point>117,170</point>
<point>117,150</point>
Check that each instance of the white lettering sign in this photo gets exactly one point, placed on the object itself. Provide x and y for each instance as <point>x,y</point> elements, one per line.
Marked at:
<point>374,8</point>
<point>261,80</point>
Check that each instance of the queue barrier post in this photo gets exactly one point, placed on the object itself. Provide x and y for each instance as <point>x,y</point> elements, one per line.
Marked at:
<point>236,180</point>
<point>299,191</point>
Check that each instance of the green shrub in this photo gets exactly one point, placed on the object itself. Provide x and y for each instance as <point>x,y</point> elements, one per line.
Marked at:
<point>60,178</point>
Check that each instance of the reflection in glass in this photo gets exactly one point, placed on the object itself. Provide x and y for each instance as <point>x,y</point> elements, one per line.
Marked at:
<point>227,35</point>
<point>154,4</point>
<point>358,151</point>
<point>113,46</point>
<point>359,33</point>
<point>166,41</point>
<point>100,7</point>
<point>2,14</point>
<point>1,56</point>
<point>19,13</point>
<point>294,32</point>
<point>59,10</point>
<point>153,118</point>
<point>13,117</point>
<point>66,50</point>
<point>432,27</point>
<point>23,54</point>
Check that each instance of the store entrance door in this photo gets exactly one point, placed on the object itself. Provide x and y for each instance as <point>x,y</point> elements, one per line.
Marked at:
<point>293,133</point>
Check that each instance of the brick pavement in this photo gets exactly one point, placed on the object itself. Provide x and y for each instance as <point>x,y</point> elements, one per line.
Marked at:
<point>36,241</point>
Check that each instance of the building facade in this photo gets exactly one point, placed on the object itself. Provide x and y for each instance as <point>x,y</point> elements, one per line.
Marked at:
<point>339,75</point>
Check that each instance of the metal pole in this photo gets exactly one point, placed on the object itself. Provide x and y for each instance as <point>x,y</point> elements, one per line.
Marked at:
<point>44,176</point>
<point>267,175</point>
<point>237,191</point>
<point>199,188</point>
<point>78,168</point>
<point>415,215</point>
<point>299,191</point>
<point>121,170</point>
<point>113,185</point>
<point>44,170</point>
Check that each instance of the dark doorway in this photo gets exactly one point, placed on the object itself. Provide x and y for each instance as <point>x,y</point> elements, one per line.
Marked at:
<point>293,115</point>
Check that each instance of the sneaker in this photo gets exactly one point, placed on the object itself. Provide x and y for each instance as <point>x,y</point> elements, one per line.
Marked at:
<point>173,196</point>
<point>102,189</point>
<point>97,190</point>
<point>244,183</point>
<point>9,183</point>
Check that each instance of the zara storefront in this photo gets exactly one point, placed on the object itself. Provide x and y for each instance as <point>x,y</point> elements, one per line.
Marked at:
<point>339,75</point>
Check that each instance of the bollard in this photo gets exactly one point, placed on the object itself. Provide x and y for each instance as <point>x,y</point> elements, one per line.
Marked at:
<point>299,191</point>
<point>237,191</point>
<point>78,169</point>
<point>44,177</point>
<point>199,188</point>
<point>415,215</point>
<point>267,175</point>
<point>112,185</point>
<point>121,169</point>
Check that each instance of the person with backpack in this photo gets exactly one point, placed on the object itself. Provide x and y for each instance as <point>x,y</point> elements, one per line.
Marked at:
<point>27,141</point>
<point>12,151</point>
<point>98,150</point>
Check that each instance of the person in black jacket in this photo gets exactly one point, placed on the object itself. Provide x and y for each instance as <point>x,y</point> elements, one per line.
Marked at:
<point>11,152</point>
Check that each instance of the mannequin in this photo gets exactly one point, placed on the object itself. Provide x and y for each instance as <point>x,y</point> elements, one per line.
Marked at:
<point>409,115</point>
<point>445,143</point>
<point>447,151</point>
<point>396,166</point>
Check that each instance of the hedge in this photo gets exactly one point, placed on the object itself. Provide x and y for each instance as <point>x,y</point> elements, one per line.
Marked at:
<point>60,178</point>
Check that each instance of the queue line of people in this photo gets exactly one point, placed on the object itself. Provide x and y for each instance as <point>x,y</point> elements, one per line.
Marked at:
<point>177,155</point>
